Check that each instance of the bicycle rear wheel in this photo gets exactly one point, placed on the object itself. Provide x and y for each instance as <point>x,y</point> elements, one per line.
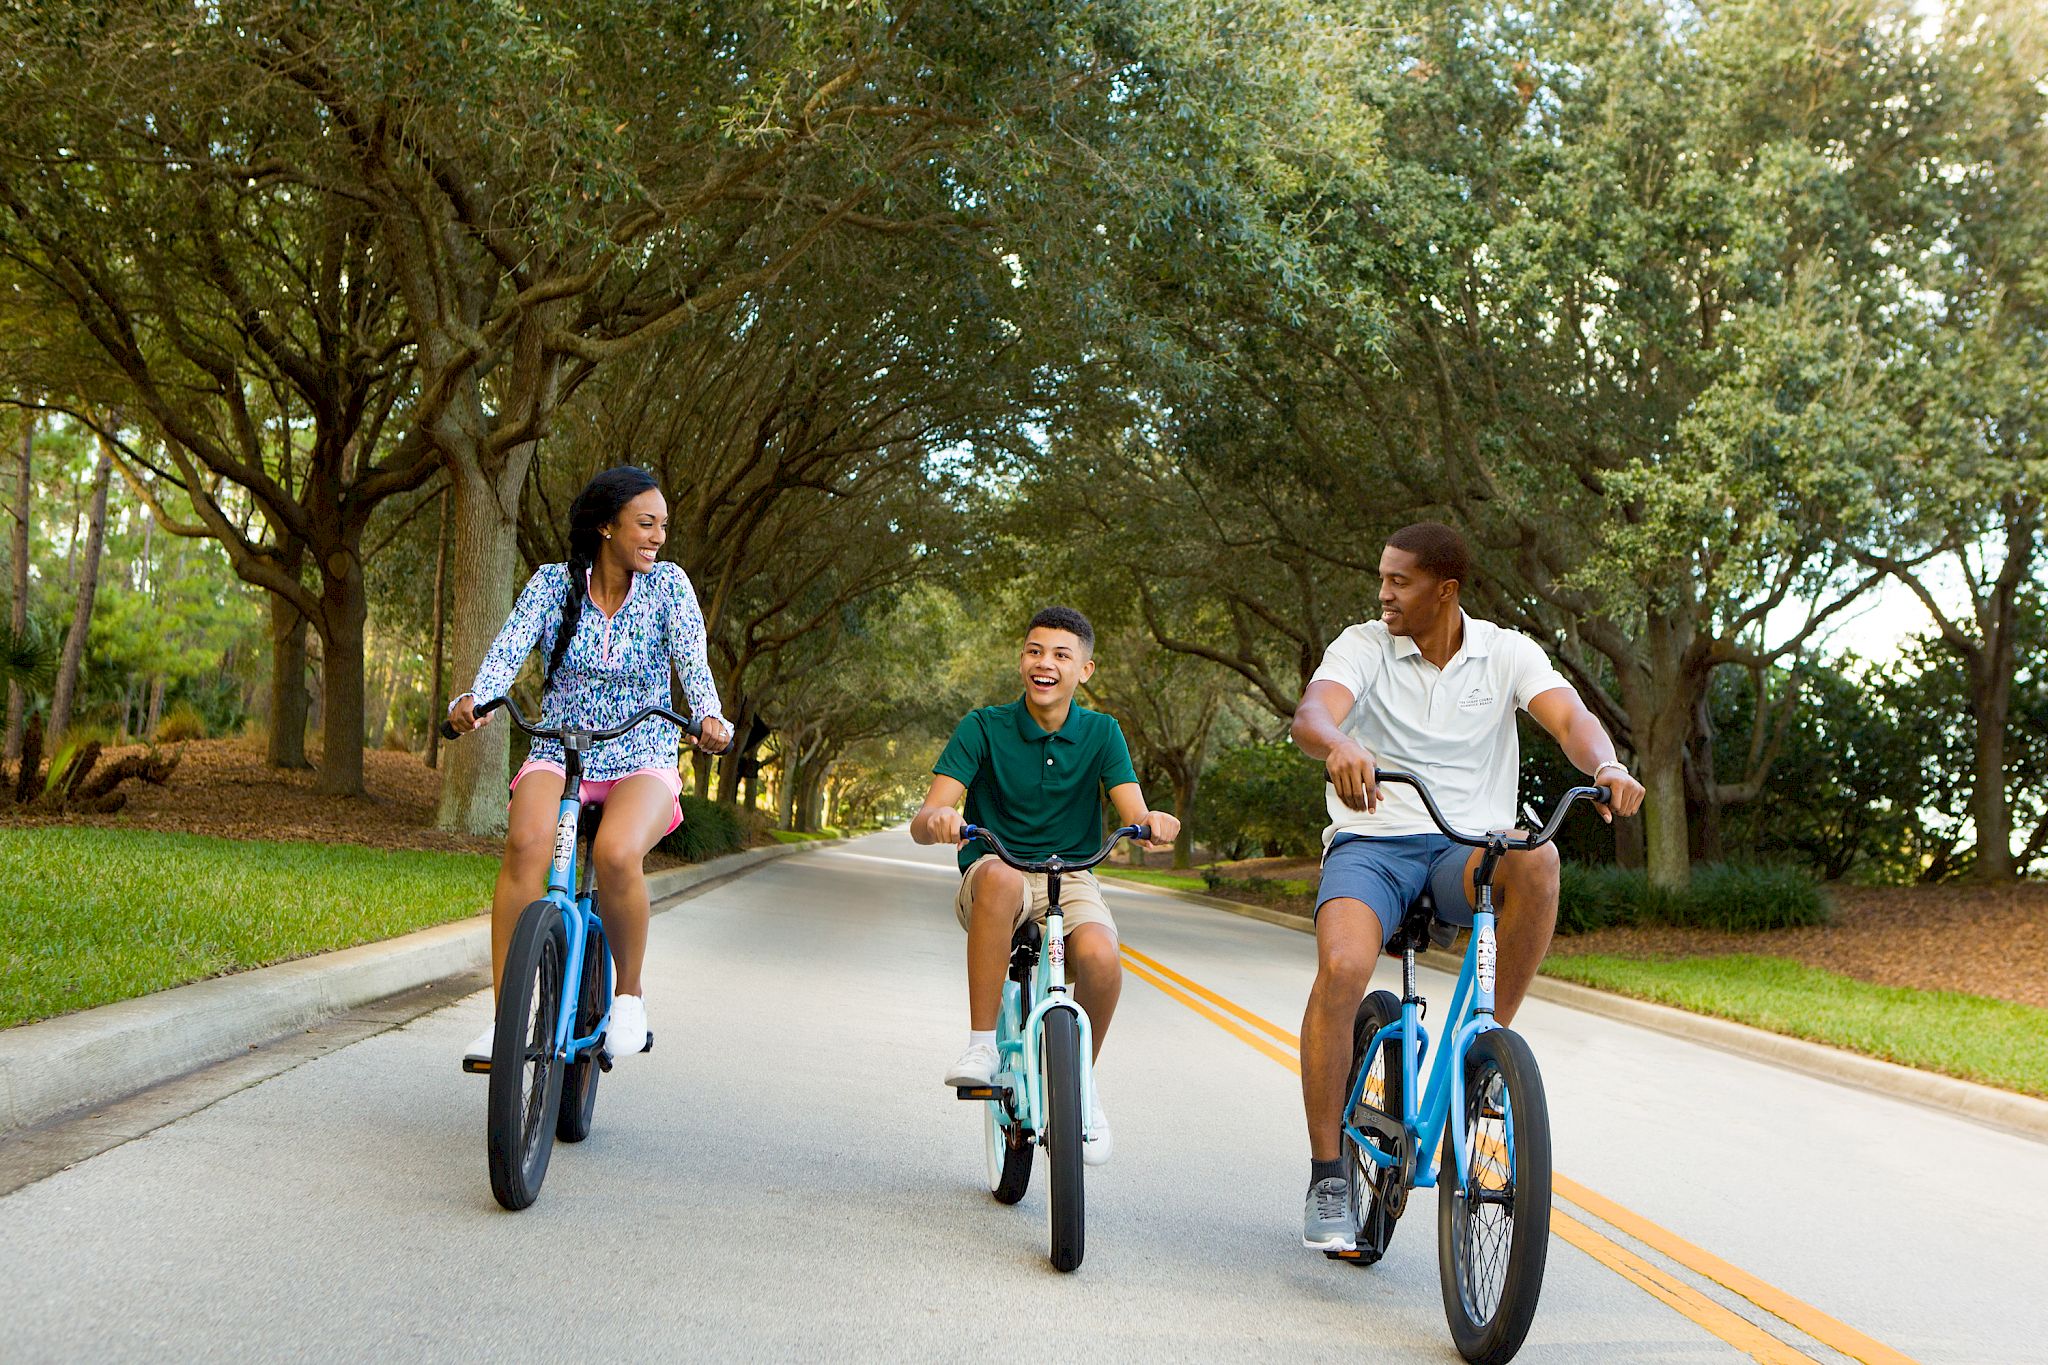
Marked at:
<point>1376,1191</point>
<point>1008,1148</point>
<point>526,1075</point>
<point>593,998</point>
<point>1061,1067</point>
<point>1492,1237</point>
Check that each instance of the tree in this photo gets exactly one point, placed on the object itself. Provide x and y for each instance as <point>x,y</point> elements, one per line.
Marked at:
<point>19,644</point>
<point>81,617</point>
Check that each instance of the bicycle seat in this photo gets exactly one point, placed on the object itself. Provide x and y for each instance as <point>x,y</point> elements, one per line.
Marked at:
<point>1420,927</point>
<point>1024,950</point>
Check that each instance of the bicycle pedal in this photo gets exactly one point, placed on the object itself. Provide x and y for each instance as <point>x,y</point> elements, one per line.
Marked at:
<point>983,1092</point>
<point>1357,1256</point>
<point>648,1046</point>
<point>476,1067</point>
<point>604,1060</point>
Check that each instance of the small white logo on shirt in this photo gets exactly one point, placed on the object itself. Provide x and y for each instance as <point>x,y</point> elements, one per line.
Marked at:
<point>1478,696</point>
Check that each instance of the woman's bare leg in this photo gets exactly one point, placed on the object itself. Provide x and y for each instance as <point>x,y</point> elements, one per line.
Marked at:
<point>529,848</point>
<point>636,815</point>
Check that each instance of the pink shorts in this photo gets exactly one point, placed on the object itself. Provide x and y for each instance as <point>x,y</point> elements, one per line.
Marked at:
<point>595,792</point>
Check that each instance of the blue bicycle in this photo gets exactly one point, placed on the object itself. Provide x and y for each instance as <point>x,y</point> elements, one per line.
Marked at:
<point>555,1000</point>
<point>1041,1092</point>
<point>1493,1173</point>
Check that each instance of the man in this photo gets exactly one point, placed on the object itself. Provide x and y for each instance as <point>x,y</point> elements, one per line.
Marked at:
<point>1428,689</point>
<point>1035,772</point>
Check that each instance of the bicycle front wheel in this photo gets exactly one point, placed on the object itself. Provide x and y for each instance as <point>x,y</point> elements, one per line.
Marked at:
<point>593,998</point>
<point>1493,1235</point>
<point>1061,1067</point>
<point>526,1075</point>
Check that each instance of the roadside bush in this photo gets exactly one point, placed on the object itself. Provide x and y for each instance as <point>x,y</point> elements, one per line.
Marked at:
<point>1261,799</point>
<point>183,722</point>
<point>709,830</point>
<point>1740,897</point>
<point>1732,897</point>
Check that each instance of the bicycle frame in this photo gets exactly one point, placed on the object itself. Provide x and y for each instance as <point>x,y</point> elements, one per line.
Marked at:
<point>1426,1109</point>
<point>1019,1053</point>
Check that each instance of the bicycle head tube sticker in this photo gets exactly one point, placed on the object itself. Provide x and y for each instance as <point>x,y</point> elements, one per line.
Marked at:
<point>1483,958</point>
<point>565,843</point>
<point>1056,950</point>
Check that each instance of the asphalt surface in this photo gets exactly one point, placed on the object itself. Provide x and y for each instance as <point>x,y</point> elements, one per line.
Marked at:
<point>785,1177</point>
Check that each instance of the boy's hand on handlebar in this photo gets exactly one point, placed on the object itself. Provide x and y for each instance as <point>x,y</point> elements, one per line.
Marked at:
<point>944,825</point>
<point>1164,828</point>
<point>1355,774</point>
<point>1624,793</point>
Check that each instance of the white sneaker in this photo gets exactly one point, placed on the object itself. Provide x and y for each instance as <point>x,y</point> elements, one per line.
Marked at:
<point>479,1049</point>
<point>1096,1143</point>
<point>627,1032</point>
<point>977,1066</point>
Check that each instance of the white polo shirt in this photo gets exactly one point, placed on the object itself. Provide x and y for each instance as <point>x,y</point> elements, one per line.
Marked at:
<point>1452,727</point>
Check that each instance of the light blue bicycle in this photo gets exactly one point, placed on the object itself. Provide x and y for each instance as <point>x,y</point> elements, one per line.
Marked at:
<point>1493,1173</point>
<point>555,998</point>
<point>1045,1077</point>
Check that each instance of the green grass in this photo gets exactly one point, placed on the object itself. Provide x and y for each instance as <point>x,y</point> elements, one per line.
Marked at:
<point>91,916</point>
<point>1980,1039</point>
<point>797,836</point>
<point>1153,876</point>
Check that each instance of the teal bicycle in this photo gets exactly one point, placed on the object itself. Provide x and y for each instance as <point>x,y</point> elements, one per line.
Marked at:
<point>1493,1164</point>
<point>555,997</point>
<point>1045,1078</point>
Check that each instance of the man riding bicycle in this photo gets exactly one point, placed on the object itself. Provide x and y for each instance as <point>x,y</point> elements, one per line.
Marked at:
<point>1428,689</point>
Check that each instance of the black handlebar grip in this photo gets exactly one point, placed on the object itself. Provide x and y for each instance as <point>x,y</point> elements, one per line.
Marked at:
<point>448,730</point>
<point>1144,834</point>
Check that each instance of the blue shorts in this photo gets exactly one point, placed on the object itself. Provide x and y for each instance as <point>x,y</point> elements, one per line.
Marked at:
<point>1388,873</point>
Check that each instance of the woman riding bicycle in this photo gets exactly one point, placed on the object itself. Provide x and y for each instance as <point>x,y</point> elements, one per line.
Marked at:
<point>603,664</point>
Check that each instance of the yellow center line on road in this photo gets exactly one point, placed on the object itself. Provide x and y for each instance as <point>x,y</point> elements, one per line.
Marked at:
<point>1731,1327</point>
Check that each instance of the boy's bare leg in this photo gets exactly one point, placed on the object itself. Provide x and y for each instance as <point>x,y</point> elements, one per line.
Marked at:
<point>1098,974</point>
<point>998,893</point>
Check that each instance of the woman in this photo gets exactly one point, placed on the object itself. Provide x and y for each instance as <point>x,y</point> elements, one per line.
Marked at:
<point>610,622</point>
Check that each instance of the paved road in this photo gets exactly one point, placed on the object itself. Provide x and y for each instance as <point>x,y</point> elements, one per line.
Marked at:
<point>785,1178</point>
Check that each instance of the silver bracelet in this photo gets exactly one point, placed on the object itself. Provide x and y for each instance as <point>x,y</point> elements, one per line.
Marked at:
<point>1613,763</point>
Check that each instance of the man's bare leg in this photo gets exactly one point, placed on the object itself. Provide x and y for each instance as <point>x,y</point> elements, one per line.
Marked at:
<point>1348,943</point>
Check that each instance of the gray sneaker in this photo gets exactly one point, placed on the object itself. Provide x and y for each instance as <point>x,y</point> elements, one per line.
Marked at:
<point>1326,1223</point>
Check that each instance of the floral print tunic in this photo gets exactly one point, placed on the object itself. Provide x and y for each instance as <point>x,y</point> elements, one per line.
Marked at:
<point>614,666</point>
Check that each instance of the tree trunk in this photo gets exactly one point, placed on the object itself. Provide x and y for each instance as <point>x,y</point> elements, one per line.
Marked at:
<point>786,814</point>
<point>437,699</point>
<point>700,774</point>
<point>341,680</point>
<point>81,616</point>
<point>1990,812</point>
<point>1186,781</point>
<point>736,757</point>
<point>156,705</point>
<point>485,557</point>
<point>288,698</point>
<point>17,698</point>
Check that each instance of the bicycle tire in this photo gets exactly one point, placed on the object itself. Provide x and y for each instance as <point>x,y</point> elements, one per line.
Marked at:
<point>1376,1200</point>
<point>1065,1206</point>
<point>1008,1149</point>
<point>593,998</point>
<point>1490,1250</point>
<point>526,1075</point>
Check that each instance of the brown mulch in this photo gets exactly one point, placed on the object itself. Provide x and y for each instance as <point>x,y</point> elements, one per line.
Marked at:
<point>222,787</point>
<point>1984,940</point>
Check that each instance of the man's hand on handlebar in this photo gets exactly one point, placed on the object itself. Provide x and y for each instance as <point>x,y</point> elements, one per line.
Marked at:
<point>1165,829</point>
<point>1624,793</point>
<point>1355,775</point>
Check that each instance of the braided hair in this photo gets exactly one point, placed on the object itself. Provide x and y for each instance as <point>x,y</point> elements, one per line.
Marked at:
<point>595,508</point>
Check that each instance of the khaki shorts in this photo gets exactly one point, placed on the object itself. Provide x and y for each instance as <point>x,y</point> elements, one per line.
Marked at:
<point>1080,898</point>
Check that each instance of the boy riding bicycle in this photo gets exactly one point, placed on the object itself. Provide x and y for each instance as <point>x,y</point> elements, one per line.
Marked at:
<point>1427,689</point>
<point>1035,771</point>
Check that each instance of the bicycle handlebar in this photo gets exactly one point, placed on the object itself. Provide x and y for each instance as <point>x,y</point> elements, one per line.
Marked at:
<point>692,728</point>
<point>1054,863</point>
<point>1504,840</point>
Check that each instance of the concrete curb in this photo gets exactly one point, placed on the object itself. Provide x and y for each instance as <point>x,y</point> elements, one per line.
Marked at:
<point>1988,1105</point>
<point>98,1055</point>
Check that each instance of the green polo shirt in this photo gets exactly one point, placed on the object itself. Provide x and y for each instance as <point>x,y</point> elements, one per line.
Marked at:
<point>1041,793</point>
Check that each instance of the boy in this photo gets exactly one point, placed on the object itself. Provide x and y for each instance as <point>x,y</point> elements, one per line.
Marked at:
<point>1034,771</point>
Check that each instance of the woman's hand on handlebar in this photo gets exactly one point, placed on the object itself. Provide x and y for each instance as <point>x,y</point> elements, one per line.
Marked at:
<point>464,717</point>
<point>1355,774</point>
<point>1164,829</point>
<point>712,737</point>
